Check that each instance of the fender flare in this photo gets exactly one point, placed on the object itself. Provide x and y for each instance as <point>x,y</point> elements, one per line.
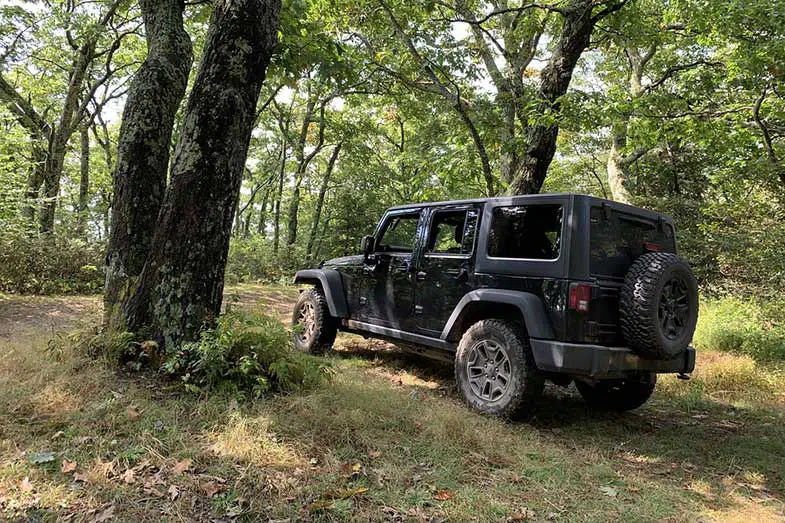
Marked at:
<point>532,309</point>
<point>332,284</point>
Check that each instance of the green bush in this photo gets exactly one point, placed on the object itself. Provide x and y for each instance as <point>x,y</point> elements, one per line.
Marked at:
<point>740,326</point>
<point>252,260</point>
<point>246,353</point>
<point>32,264</point>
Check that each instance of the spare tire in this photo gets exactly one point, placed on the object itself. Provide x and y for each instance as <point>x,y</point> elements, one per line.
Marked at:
<point>658,306</point>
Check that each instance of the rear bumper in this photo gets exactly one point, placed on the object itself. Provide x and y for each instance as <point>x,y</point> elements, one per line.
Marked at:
<point>599,362</point>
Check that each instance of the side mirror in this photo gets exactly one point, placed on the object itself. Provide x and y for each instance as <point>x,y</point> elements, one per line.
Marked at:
<point>368,245</point>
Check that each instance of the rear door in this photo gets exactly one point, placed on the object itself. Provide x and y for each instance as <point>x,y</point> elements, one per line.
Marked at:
<point>616,240</point>
<point>446,271</point>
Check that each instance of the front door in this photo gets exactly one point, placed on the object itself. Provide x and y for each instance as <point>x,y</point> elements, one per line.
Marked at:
<point>446,272</point>
<point>388,283</point>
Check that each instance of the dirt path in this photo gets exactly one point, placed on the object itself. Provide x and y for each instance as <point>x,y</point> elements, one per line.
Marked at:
<point>27,315</point>
<point>21,315</point>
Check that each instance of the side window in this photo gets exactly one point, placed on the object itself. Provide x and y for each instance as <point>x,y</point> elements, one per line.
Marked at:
<point>452,232</point>
<point>399,233</point>
<point>530,232</point>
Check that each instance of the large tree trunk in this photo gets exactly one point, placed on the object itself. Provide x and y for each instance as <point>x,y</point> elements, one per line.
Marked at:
<point>84,181</point>
<point>182,283</point>
<point>555,79</point>
<point>320,200</point>
<point>143,150</point>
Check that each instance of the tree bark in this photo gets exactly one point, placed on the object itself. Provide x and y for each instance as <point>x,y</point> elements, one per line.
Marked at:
<point>143,150</point>
<point>540,139</point>
<point>181,287</point>
<point>320,200</point>
<point>84,181</point>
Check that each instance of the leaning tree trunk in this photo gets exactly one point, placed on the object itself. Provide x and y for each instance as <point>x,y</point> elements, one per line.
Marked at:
<point>555,79</point>
<point>143,150</point>
<point>182,283</point>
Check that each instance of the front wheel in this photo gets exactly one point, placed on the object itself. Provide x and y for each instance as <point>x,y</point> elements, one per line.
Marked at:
<point>314,328</point>
<point>618,395</point>
<point>495,370</point>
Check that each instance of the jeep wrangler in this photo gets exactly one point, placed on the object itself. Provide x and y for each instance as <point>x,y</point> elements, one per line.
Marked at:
<point>516,291</point>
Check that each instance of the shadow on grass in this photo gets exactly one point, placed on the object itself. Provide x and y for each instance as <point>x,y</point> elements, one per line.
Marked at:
<point>716,453</point>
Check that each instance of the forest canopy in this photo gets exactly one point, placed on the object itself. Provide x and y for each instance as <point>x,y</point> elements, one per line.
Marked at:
<point>673,106</point>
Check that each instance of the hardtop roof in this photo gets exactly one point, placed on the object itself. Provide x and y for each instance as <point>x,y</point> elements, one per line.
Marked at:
<point>515,199</point>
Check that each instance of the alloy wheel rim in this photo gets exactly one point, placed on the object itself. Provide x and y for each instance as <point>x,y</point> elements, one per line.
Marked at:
<point>674,307</point>
<point>489,370</point>
<point>306,318</point>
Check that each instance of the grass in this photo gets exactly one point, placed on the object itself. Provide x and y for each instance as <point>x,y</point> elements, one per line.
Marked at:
<point>387,440</point>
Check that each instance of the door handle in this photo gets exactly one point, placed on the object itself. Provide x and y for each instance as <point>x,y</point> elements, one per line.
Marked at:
<point>421,276</point>
<point>463,276</point>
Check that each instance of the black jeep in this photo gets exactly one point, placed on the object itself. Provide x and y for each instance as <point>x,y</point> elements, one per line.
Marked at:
<point>517,290</point>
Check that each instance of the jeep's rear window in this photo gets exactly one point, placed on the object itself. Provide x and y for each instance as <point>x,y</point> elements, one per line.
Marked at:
<point>617,239</point>
<point>531,232</point>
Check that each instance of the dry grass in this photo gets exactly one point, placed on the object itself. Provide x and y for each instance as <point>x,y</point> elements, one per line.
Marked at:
<point>388,440</point>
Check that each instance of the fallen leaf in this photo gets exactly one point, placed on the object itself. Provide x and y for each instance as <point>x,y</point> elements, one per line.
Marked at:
<point>78,477</point>
<point>182,466</point>
<point>58,434</point>
<point>351,468</point>
<point>211,488</point>
<point>106,467</point>
<point>26,485</point>
<point>443,495</point>
<point>173,492</point>
<point>321,504</point>
<point>153,492</point>
<point>133,413</point>
<point>609,491</point>
<point>523,515</point>
<point>348,493</point>
<point>41,458</point>
<point>67,466</point>
<point>105,515</point>
<point>154,480</point>
<point>373,454</point>
<point>129,476</point>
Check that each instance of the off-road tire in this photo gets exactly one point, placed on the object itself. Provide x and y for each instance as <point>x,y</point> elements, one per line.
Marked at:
<point>640,305</point>
<point>325,328</point>
<point>618,395</point>
<point>525,384</point>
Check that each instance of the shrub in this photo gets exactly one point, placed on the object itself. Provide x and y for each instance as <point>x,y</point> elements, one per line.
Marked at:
<point>740,326</point>
<point>252,259</point>
<point>246,353</point>
<point>50,265</point>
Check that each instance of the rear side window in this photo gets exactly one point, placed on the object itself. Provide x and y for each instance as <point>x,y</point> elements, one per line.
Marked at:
<point>452,232</point>
<point>531,232</point>
<point>617,239</point>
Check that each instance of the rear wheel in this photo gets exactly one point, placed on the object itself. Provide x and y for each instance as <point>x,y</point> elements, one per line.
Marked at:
<point>315,329</point>
<point>495,370</point>
<point>618,395</point>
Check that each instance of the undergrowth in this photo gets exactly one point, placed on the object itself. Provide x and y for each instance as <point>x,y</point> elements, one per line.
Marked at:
<point>741,327</point>
<point>244,354</point>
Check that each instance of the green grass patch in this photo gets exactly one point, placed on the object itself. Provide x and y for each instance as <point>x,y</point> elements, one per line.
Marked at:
<point>741,327</point>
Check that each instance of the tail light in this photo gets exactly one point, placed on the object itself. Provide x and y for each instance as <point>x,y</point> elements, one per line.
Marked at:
<point>651,247</point>
<point>580,296</point>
